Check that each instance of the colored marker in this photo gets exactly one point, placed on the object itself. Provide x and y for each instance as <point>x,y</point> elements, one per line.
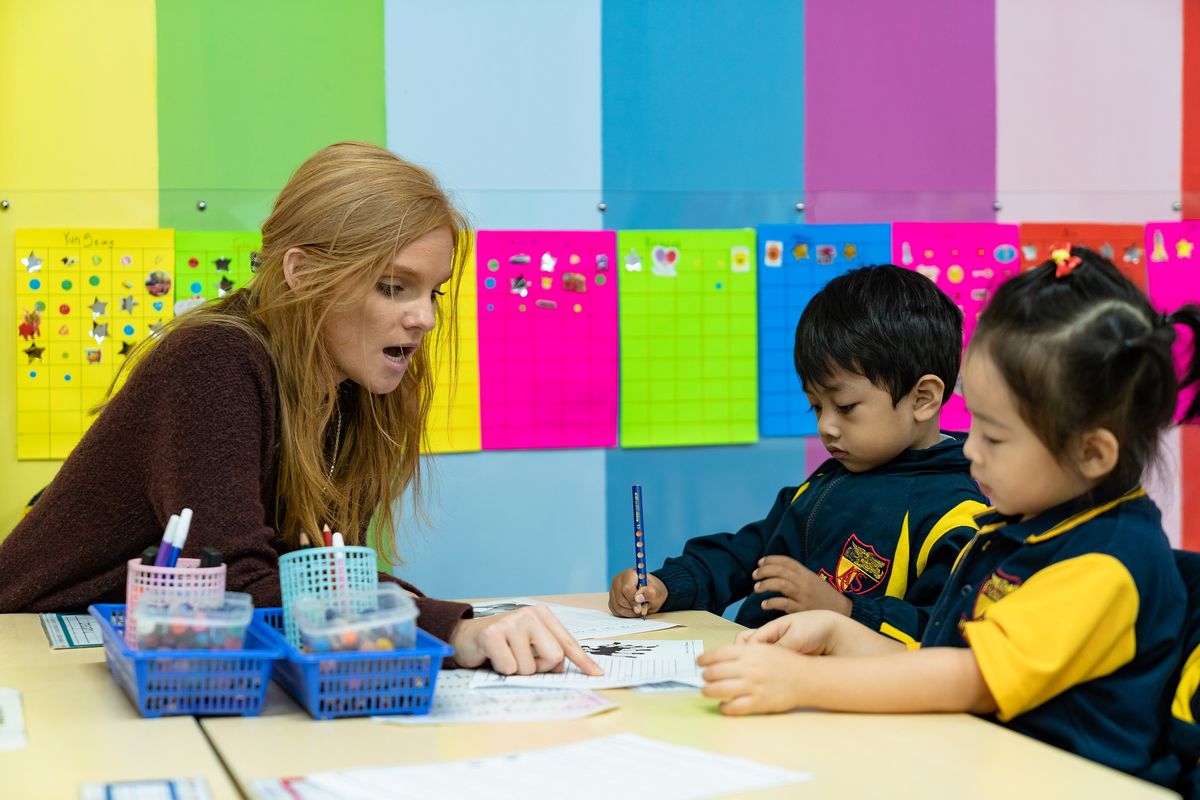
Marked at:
<point>210,557</point>
<point>181,532</point>
<point>149,554</point>
<point>164,547</point>
<point>327,535</point>
<point>639,540</point>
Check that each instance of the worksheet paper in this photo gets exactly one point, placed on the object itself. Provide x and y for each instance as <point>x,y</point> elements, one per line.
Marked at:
<point>583,623</point>
<point>71,630</point>
<point>656,769</point>
<point>632,662</point>
<point>454,701</point>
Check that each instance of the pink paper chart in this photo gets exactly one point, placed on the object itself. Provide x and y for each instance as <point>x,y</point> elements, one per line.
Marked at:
<point>1173,278</point>
<point>967,261</point>
<point>548,363</point>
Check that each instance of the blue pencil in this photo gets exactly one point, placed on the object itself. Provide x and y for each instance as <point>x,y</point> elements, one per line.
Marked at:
<point>639,539</point>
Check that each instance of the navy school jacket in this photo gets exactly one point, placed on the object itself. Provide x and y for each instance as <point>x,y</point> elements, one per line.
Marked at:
<point>886,538</point>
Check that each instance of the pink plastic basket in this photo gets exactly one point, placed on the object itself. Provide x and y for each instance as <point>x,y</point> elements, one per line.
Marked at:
<point>185,580</point>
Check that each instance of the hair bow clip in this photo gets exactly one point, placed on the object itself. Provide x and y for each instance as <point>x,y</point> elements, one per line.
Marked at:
<point>1060,254</point>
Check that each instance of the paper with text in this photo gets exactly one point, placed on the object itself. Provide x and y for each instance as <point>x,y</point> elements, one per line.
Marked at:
<point>632,662</point>
<point>582,623</point>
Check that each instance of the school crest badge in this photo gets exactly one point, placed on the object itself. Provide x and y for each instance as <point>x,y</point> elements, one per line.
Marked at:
<point>860,568</point>
<point>998,586</point>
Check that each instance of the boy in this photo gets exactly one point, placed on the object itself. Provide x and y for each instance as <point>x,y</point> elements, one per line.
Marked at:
<point>873,533</point>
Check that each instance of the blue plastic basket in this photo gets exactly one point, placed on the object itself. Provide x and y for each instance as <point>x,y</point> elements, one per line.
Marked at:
<point>166,682</point>
<point>355,684</point>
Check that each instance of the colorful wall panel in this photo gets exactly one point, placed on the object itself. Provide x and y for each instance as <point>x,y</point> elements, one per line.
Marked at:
<point>454,415</point>
<point>794,263</point>
<point>1120,244</point>
<point>211,264</point>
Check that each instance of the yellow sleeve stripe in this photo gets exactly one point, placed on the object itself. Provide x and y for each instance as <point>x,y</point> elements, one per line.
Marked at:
<point>1189,681</point>
<point>799,492</point>
<point>898,582</point>
<point>961,516</point>
<point>897,634</point>
<point>1068,623</point>
<point>1084,516</point>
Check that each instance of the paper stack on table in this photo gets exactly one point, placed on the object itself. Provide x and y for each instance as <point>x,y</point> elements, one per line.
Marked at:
<point>632,662</point>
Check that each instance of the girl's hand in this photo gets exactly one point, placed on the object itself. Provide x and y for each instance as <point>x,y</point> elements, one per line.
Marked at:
<point>627,599</point>
<point>753,678</point>
<point>809,632</point>
<point>522,642</point>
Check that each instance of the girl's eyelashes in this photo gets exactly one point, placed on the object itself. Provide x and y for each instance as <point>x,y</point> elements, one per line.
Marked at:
<point>389,289</point>
<point>435,294</point>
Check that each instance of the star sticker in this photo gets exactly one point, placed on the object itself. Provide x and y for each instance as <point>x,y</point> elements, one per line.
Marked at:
<point>156,328</point>
<point>127,303</point>
<point>33,351</point>
<point>32,263</point>
<point>1183,248</point>
<point>99,331</point>
<point>226,286</point>
<point>125,348</point>
<point>98,307</point>
<point>222,263</point>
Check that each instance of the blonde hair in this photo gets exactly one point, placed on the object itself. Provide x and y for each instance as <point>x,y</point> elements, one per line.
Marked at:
<point>350,208</point>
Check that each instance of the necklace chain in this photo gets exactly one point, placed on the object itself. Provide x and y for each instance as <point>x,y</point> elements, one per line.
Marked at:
<point>337,442</point>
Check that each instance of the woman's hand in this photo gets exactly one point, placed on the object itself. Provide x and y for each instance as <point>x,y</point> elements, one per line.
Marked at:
<point>521,642</point>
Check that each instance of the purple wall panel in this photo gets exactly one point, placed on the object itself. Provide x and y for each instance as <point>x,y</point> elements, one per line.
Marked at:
<point>901,110</point>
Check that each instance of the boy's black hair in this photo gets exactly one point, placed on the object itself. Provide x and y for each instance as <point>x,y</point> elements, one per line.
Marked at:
<point>1085,349</point>
<point>890,325</point>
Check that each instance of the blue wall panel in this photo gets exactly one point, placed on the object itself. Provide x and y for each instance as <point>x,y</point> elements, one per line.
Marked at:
<point>703,112</point>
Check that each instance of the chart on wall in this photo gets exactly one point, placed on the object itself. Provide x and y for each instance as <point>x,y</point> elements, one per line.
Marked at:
<point>84,299</point>
<point>794,263</point>
<point>1121,244</point>
<point>453,425</point>
<point>211,264</point>
<point>547,304</point>
<point>967,260</point>
<point>689,337</point>
<point>1173,275</point>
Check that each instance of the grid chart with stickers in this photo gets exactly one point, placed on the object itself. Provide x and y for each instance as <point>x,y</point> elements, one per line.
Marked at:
<point>84,299</point>
<point>1123,245</point>
<point>1173,276</point>
<point>794,263</point>
<point>453,425</point>
<point>967,261</point>
<point>547,338</point>
<point>211,264</point>
<point>689,337</point>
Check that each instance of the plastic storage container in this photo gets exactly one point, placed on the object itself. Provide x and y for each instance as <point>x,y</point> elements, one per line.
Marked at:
<point>355,684</point>
<point>382,618</point>
<point>161,683</point>
<point>185,579</point>
<point>165,622</point>
<point>322,571</point>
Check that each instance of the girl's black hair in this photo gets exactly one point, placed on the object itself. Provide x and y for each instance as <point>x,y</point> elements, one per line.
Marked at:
<point>1087,350</point>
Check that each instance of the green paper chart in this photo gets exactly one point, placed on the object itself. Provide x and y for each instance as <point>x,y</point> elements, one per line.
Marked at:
<point>689,337</point>
<point>211,264</point>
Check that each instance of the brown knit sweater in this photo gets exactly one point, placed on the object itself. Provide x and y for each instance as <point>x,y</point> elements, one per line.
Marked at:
<point>195,426</point>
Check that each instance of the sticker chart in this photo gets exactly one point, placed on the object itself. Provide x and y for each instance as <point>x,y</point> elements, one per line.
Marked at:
<point>794,263</point>
<point>84,299</point>
<point>547,305</point>
<point>211,264</point>
<point>1121,244</point>
<point>1173,273</point>
<point>967,261</point>
<point>689,338</point>
<point>453,425</point>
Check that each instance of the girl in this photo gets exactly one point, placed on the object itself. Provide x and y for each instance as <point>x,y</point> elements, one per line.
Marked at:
<point>1062,615</point>
<point>297,401</point>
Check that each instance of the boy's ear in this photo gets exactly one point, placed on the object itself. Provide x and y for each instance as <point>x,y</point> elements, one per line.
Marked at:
<point>1096,453</point>
<point>293,260</point>
<point>927,397</point>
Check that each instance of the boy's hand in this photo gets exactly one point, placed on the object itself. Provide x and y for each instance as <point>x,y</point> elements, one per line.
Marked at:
<point>753,678</point>
<point>627,599</point>
<point>808,632</point>
<point>521,642</point>
<point>802,589</point>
